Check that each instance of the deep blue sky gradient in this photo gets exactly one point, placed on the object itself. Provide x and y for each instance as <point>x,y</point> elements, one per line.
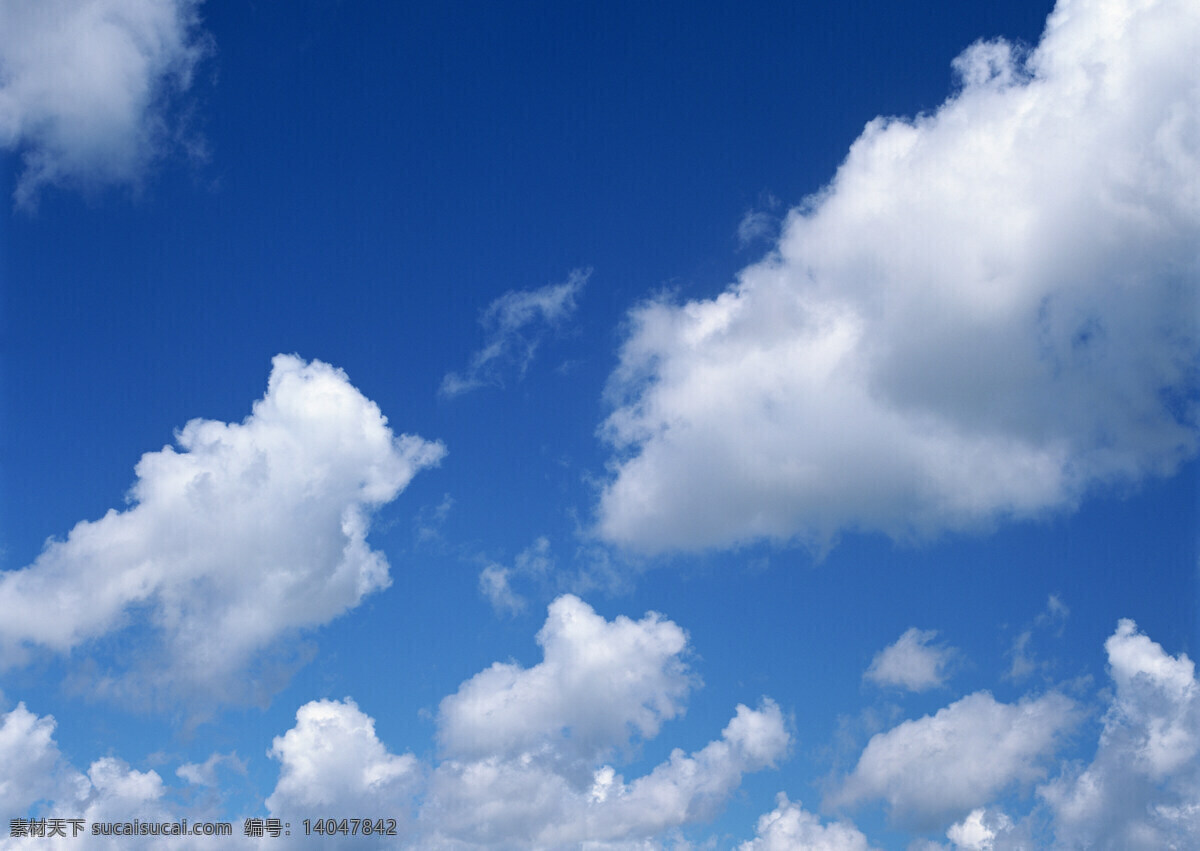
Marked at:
<point>377,174</point>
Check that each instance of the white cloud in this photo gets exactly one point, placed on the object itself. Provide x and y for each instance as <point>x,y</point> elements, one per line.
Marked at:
<point>529,785</point>
<point>526,748</point>
<point>86,87</point>
<point>246,534</point>
<point>1024,662</point>
<point>118,793</point>
<point>514,325</point>
<point>38,782</point>
<point>989,311</point>
<point>1141,791</point>
<point>911,662</point>
<point>944,765</point>
<point>789,827</point>
<point>205,773</point>
<point>33,768</point>
<point>533,563</point>
<point>760,223</point>
<point>978,831</point>
<point>520,802</point>
<point>599,684</point>
<point>429,521</point>
<point>493,584</point>
<point>332,762</point>
<point>754,226</point>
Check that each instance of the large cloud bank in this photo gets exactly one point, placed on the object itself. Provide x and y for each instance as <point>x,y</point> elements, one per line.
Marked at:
<point>86,86</point>
<point>988,311</point>
<point>245,534</point>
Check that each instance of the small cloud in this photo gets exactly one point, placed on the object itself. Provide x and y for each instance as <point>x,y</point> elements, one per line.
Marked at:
<point>979,830</point>
<point>759,224</point>
<point>535,560</point>
<point>912,662</point>
<point>1056,612</point>
<point>755,225</point>
<point>1024,661</point>
<point>534,564</point>
<point>493,584</point>
<point>333,759</point>
<point>429,521</point>
<point>205,773</point>
<point>790,826</point>
<point>514,326</point>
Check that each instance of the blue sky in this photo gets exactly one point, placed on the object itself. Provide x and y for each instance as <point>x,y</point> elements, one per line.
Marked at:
<point>609,426</point>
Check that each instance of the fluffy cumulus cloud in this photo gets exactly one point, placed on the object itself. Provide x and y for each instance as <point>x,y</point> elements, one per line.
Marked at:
<point>789,827</point>
<point>988,311</point>
<point>37,782</point>
<point>521,802</point>
<point>332,762</point>
<point>943,773</point>
<point>942,766</point>
<point>514,326</point>
<point>525,750</point>
<point>86,86</point>
<point>953,770</point>
<point>911,663</point>
<point>1142,789</point>
<point>599,684</point>
<point>36,774</point>
<point>31,760</point>
<point>243,535</point>
<point>544,777</point>
<point>979,830</point>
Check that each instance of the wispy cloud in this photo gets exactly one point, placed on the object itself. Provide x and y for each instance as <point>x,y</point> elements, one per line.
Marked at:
<point>514,325</point>
<point>759,224</point>
<point>205,773</point>
<point>1024,662</point>
<point>494,585</point>
<point>87,87</point>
